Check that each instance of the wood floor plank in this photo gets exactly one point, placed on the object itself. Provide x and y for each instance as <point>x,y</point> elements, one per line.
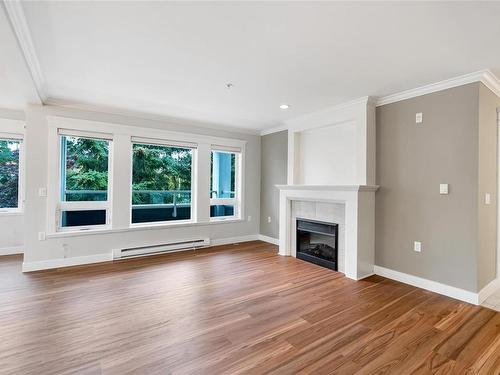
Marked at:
<point>233,309</point>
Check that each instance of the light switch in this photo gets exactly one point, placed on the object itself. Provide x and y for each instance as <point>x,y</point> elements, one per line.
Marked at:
<point>419,118</point>
<point>443,188</point>
<point>487,198</point>
<point>269,219</point>
<point>42,192</point>
<point>417,246</point>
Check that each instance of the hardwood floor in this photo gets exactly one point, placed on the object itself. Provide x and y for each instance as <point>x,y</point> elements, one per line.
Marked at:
<point>229,310</point>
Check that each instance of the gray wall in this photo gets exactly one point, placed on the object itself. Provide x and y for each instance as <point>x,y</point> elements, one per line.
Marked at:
<point>412,160</point>
<point>274,153</point>
<point>488,141</point>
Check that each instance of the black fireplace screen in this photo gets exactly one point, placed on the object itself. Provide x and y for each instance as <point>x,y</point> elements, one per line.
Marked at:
<point>317,242</point>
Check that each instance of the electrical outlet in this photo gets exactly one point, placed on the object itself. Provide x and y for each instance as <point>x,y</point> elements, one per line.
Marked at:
<point>249,218</point>
<point>419,118</point>
<point>417,246</point>
<point>41,236</point>
<point>443,188</point>
<point>42,192</point>
<point>487,198</point>
<point>269,219</point>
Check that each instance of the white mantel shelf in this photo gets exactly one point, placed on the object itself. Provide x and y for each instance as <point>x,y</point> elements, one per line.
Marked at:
<point>329,187</point>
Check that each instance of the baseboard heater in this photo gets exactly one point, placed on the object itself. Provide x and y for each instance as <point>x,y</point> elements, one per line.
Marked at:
<point>160,248</point>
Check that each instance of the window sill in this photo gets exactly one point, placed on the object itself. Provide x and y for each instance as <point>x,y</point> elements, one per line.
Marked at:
<point>140,227</point>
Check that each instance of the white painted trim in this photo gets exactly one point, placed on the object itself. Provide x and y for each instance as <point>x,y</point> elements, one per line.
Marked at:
<point>79,106</point>
<point>108,257</point>
<point>66,262</point>
<point>488,290</point>
<point>433,286</point>
<point>112,128</point>
<point>233,240</point>
<point>275,129</point>
<point>274,241</point>
<point>329,187</point>
<point>12,114</point>
<point>12,250</point>
<point>484,76</point>
<point>15,13</point>
<point>142,227</point>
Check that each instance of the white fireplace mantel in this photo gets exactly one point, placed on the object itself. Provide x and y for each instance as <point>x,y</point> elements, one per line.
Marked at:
<point>359,201</point>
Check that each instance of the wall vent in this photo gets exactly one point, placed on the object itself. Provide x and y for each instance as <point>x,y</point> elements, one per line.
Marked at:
<point>160,248</point>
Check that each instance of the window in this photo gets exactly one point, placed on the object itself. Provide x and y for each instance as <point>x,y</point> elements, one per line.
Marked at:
<point>10,190</point>
<point>161,183</point>
<point>84,181</point>
<point>224,184</point>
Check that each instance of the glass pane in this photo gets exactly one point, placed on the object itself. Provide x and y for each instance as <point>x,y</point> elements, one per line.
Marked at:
<point>83,218</point>
<point>161,183</point>
<point>221,210</point>
<point>9,173</point>
<point>84,173</point>
<point>222,176</point>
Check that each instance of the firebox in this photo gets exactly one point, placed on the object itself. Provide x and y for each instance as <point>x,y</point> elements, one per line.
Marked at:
<point>317,242</point>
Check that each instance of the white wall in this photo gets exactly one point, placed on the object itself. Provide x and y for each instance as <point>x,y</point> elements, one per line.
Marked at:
<point>11,224</point>
<point>328,155</point>
<point>92,244</point>
<point>335,146</point>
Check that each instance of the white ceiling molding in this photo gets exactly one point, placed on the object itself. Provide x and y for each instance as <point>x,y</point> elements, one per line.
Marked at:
<point>484,76</point>
<point>275,129</point>
<point>112,111</point>
<point>17,19</point>
<point>11,114</point>
<point>492,82</point>
<point>338,114</point>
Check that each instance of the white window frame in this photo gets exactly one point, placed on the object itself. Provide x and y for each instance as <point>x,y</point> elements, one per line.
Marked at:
<point>20,183</point>
<point>194,167</point>
<point>84,205</point>
<point>236,202</point>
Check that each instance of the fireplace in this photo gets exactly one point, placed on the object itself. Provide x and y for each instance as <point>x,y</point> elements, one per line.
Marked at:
<point>317,242</point>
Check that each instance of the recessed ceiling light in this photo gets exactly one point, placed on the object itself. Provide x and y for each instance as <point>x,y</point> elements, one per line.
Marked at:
<point>284,106</point>
<point>229,85</point>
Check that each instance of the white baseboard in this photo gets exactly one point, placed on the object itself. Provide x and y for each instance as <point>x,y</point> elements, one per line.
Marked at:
<point>106,257</point>
<point>66,262</point>
<point>12,250</point>
<point>488,290</point>
<point>433,286</point>
<point>274,241</point>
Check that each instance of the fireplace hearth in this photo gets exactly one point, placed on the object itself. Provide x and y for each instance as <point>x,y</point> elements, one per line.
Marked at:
<point>317,242</point>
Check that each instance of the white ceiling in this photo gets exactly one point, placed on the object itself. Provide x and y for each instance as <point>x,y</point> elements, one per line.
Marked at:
<point>174,59</point>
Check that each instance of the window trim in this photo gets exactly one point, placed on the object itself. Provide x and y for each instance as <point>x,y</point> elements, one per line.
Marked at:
<point>236,202</point>
<point>6,211</point>
<point>121,134</point>
<point>61,205</point>
<point>194,168</point>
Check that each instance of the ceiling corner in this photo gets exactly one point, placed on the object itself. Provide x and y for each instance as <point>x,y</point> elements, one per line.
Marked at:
<point>15,13</point>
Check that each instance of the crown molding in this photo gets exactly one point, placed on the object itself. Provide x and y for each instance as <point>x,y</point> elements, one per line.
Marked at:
<point>130,114</point>
<point>15,13</point>
<point>274,129</point>
<point>491,81</point>
<point>484,76</point>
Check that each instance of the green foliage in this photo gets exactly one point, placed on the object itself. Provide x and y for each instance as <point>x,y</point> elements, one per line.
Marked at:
<point>86,168</point>
<point>156,169</point>
<point>159,168</point>
<point>9,173</point>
